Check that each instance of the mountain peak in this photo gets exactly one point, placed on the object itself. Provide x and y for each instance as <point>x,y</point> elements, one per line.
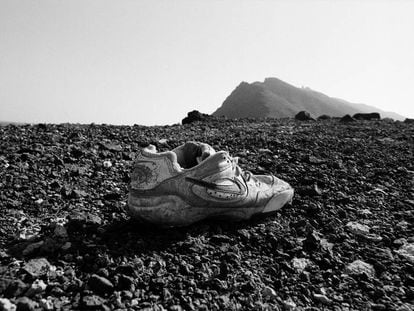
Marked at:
<point>276,98</point>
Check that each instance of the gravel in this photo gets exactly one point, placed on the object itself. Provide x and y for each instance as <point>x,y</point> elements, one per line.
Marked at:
<point>345,242</point>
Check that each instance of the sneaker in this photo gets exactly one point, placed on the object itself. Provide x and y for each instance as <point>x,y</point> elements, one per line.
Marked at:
<point>194,182</point>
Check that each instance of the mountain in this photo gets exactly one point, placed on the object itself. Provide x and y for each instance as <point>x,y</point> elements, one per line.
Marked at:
<point>278,99</point>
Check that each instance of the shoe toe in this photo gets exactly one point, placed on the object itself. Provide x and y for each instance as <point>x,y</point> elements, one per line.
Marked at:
<point>280,185</point>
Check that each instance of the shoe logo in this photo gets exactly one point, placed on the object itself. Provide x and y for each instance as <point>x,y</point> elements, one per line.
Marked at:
<point>224,191</point>
<point>143,174</point>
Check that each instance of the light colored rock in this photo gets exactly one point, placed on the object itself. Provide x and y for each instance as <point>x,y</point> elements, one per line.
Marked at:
<point>269,292</point>
<point>265,150</point>
<point>107,164</point>
<point>46,304</point>
<point>289,305</point>
<point>357,228</point>
<point>300,264</point>
<point>365,212</point>
<point>400,241</point>
<point>407,251</point>
<point>360,267</point>
<point>7,305</point>
<point>37,267</point>
<point>322,298</point>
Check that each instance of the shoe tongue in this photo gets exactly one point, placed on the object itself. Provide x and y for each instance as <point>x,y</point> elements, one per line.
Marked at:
<point>204,155</point>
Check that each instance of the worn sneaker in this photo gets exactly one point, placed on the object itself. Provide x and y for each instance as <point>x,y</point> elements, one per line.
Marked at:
<point>193,182</point>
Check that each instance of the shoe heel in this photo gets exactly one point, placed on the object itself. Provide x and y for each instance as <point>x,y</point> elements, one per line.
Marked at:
<point>166,210</point>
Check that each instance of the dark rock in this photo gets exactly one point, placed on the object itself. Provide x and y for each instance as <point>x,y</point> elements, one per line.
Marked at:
<point>100,284</point>
<point>4,283</point>
<point>15,289</point>
<point>196,116</point>
<point>324,117</point>
<point>126,283</point>
<point>367,116</point>
<point>303,116</point>
<point>347,118</point>
<point>409,121</point>
<point>112,196</point>
<point>78,220</point>
<point>25,304</point>
<point>111,147</point>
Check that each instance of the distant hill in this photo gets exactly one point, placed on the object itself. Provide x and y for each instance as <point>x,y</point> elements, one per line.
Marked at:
<point>278,99</point>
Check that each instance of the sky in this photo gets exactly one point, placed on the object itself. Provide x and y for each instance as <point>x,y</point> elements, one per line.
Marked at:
<point>150,62</point>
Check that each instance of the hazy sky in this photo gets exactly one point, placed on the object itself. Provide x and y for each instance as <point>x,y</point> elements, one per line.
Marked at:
<point>150,62</point>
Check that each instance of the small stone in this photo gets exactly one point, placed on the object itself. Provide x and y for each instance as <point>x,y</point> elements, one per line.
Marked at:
<point>15,288</point>
<point>6,305</point>
<point>289,305</point>
<point>66,246</point>
<point>162,141</point>
<point>126,282</point>
<point>107,164</point>
<point>37,267</point>
<point>38,286</point>
<point>406,307</point>
<point>60,232</point>
<point>92,301</point>
<point>265,150</point>
<point>357,228</point>
<point>407,251</point>
<point>365,212</point>
<point>25,304</point>
<point>269,292</point>
<point>32,247</point>
<point>100,284</point>
<point>300,264</point>
<point>322,298</point>
<point>46,304</point>
<point>358,267</point>
<point>399,242</point>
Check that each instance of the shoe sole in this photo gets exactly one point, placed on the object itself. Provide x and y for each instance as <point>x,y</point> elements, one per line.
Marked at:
<point>172,211</point>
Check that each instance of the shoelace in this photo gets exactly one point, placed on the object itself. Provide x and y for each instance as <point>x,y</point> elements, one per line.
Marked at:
<point>246,175</point>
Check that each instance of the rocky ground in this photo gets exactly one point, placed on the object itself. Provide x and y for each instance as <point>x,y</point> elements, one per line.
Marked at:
<point>345,243</point>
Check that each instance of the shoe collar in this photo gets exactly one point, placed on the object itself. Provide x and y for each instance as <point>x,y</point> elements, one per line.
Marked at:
<point>219,156</point>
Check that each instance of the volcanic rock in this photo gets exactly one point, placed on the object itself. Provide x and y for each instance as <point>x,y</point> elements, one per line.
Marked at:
<point>324,117</point>
<point>409,121</point>
<point>6,305</point>
<point>37,267</point>
<point>367,116</point>
<point>303,116</point>
<point>407,251</point>
<point>347,118</point>
<point>25,304</point>
<point>196,116</point>
<point>100,284</point>
<point>300,263</point>
<point>322,298</point>
<point>362,177</point>
<point>358,267</point>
